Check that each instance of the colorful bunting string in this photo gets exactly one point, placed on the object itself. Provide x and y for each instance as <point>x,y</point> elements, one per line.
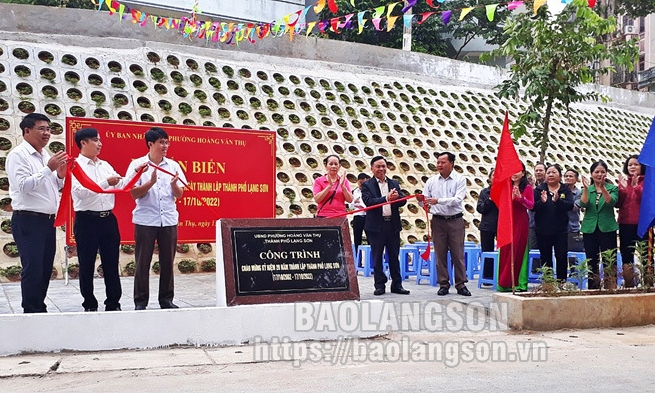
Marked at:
<point>234,33</point>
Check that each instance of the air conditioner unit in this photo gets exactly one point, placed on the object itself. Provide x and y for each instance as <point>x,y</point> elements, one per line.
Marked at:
<point>627,30</point>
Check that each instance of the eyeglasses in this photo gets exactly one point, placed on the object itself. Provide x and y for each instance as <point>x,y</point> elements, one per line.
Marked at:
<point>43,129</point>
<point>164,142</point>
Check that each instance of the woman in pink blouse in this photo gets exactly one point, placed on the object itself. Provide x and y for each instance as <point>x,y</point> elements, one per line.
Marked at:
<point>630,189</point>
<point>332,190</point>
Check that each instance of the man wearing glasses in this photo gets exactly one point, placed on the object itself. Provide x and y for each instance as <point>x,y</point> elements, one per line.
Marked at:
<point>155,218</point>
<point>35,179</point>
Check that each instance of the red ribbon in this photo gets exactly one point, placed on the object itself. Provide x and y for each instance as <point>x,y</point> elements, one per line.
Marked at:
<point>419,197</point>
<point>189,188</point>
<point>64,207</point>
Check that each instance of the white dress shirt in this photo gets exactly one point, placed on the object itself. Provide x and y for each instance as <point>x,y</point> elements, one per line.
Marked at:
<point>156,208</point>
<point>32,185</point>
<point>98,171</point>
<point>357,202</point>
<point>384,191</point>
<point>450,192</point>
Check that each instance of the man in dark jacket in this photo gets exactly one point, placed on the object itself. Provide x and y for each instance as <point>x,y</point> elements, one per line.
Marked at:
<point>488,227</point>
<point>383,225</point>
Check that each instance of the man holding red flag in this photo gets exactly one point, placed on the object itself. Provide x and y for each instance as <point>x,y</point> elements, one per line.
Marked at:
<point>509,176</point>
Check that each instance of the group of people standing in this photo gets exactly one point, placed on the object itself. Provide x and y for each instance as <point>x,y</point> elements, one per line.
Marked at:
<point>546,213</point>
<point>35,178</point>
<point>443,195</point>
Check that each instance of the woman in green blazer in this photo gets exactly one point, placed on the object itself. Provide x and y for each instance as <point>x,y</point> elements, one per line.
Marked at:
<point>599,225</point>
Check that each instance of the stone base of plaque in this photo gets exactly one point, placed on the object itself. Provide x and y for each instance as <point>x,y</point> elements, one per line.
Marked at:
<point>209,326</point>
<point>284,261</point>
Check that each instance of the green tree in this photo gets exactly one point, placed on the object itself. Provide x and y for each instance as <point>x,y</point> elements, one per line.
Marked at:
<point>85,4</point>
<point>634,8</point>
<point>431,37</point>
<point>477,24</point>
<point>426,38</point>
<point>553,56</point>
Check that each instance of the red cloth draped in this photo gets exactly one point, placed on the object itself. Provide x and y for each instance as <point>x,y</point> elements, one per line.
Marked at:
<point>75,170</point>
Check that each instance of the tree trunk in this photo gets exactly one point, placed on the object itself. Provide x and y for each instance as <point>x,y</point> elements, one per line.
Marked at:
<point>544,140</point>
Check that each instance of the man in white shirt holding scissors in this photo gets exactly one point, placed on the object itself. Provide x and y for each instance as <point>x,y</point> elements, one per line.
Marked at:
<point>155,218</point>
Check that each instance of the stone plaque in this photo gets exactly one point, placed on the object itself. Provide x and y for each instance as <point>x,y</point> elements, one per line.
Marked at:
<point>286,260</point>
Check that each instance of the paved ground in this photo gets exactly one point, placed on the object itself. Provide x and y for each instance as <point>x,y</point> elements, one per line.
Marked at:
<point>418,361</point>
<point>199,290</point>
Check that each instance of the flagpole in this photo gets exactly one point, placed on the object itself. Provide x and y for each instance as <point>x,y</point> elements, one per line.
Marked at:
<point>513,286</point>
<point>511,250</point>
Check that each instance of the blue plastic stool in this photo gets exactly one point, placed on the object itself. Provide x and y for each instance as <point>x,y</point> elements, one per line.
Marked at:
<point>364,260</point>
<point>430,265</point>
<point>406,268</point>
<point>472,258</point>
<point>494,279</point>
<point>533,277</point>
<point>579,257</point>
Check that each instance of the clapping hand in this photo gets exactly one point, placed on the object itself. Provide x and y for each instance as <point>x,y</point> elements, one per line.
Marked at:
<point>544,196</point>
<point>585,182</point>
<point>516,193</point>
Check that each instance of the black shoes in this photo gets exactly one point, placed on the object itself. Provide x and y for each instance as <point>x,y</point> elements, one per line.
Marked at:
<point>167,305</point>
<point>113,308</point>
<point>443,291</point>
<point>463,291</point>
<point>91,309</point>
<point>400,291</point>
<point>139,307</point>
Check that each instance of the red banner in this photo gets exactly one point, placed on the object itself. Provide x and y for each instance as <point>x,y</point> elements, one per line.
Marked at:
<point>230,173</point>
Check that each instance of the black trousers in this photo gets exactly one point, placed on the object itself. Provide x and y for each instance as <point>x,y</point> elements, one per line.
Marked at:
<point>558,241</point>
<point>35,238</point>
<point>595,243</point>
<point>628,238</point>
<point>358,230</point>
<point>95,234</point>
<point>144,238</point>
<point>389,238</point>
<point>487,242</point>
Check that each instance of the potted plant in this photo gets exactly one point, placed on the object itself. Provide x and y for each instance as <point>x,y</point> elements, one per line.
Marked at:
<point>187,266</point>
<point>54,273</point>
<point>73,270</point>
<point>10,249</point>
<point>182,248</point>
<point>6,226</point>
<point>156,267</point>
<point>130,268</point>
<point>12,272</point>
<point>100,272</point>
<point>609,269</point>
<point>127,248</point>
<point>208,265</point>
<point>204,248</point>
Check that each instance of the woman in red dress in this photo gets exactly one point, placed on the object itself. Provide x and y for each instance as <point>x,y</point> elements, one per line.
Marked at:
<point>522,201</point>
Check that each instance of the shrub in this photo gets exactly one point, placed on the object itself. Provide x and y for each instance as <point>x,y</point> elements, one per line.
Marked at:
<point>187,266</point>
<point>208,265</point>
<point>130,268</point>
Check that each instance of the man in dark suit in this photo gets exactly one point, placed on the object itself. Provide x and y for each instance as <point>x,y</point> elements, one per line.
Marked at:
<point>383,225</point>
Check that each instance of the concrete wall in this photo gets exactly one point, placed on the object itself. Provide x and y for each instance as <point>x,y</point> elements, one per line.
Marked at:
<point>321,97</point>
